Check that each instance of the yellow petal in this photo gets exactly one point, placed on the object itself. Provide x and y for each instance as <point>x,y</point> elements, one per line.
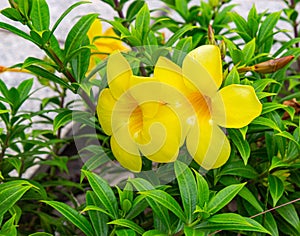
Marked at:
<point>95,30</point>
<point>197,77</point>
<point>105,106</point>
<point>208,145</point>
<point>118,74</point>
<point>235,106</point>
<point>128,160</point>
<point>142,90</point>
<point>209,57</point>
<point>161,136</point>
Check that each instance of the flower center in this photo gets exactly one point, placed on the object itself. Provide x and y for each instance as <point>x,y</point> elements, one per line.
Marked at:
<point>136,122</point>
<point>201,104</point>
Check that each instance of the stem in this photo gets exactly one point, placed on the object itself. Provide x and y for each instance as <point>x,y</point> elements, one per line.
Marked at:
<point>117,7</point>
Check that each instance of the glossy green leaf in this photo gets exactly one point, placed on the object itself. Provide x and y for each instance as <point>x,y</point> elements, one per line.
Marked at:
<point>62,119</point>
<point>248,51</point>
<point>24,7</point>
<point>66,12</point>
<point>270,224</point>
<point>73,216</point>
<point>98,219</point>
<point>188,188</point>
<point>39,15</point>
<point>133,9</point>
<point>138,206</point>
<point>266,122</point>
<point>238,168</point>
<point>141,184</point>
<point>41,234</point>
<point>11,192</point>
<point>9,228</point>
<point>154,232</point>
<point>223,197</point>
<point>125,232</point>
<point>289,213</point>
<point>241,144</point>
<point>231,221</point>
<point>202,190</point>
<point>241,25</point>
<point>276,188</point>
<point>103,192</point>
<point>129,224</point>
<point>48,75</point>
<point>184,46</point>
<point>177,35</point>
<point>233,77</point>
<point>142,22</point>
<point>16,31</point>
<point>182,8</point>
<point>78,33</point>
<point>12,14</point>
<point>167,201</point>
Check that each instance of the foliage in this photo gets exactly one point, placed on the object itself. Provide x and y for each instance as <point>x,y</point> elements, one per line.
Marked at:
<point>256,191</point>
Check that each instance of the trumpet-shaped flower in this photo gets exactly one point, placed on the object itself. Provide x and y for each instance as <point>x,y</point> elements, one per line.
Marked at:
<point>233,106</point>
<point>105,42</point>
<point>131,110</point>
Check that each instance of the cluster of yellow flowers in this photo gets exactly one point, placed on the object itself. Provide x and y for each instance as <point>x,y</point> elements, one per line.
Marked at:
<point>155,116</point>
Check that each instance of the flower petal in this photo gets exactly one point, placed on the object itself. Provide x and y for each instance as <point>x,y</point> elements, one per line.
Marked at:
<point>197,77</point>
<point>209,57</point>
<point>95,30</point>
<point>161,136</point>
<point>118,74</point>
<point>128,160</point>
<point>208,145</point>
<point>106,103</point>
<point>235,106</point>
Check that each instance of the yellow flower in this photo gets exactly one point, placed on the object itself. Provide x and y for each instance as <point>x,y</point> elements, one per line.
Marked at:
<point>133,113</point>
<point>233,106</point>
<point>106,42</point>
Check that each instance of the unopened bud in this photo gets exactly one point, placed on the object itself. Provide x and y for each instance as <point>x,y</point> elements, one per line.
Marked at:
<point>211,35</point>
<point>223,49</point>
<point>213,3</point>
<point>272,65</point>
<point>269,66</point>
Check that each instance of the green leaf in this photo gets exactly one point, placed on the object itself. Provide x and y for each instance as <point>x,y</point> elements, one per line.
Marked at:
<point>181,50</point>
<point>248,51</point>
<point>233,77</point>
<point>125,232</point>
<point>73,216</point>
<point>48,75</point>
<point>66,12</point>
<point>188,188</point>
<point>9,228</point>
<point>265,122</point>
<point>223,197</point>
<point>138,206</point>
<point>40,234</point>
<point>276,188</point>
<point>24,7</point>
<point>11,192</point>
<point>39,15</point>
<point>238,168</point>
<point>141,184</point>
<point>129,224</point>
<point>177,35</point>
<point>62,119</point>
<point>133,9</point>
<point>16,31</point>
<point>142,22</point>
<point>267,26</point>
<point>12,14</point>
<point>154,232</point>
<point>24,89</point>
<point>78,33</point>
<point>103,192</point>
<point>241,25</point>
<point>202,190</point>
<point>98,219</point>
<point>182,8</point>
<point>241,144</point>
<point>289,213</point>
<point>167,201</point>
<point>270,224</point>
<point>231,221</point>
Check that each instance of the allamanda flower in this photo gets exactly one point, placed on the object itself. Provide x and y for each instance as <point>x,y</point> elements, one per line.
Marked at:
<point>131,110</point>
<point>106,42</point>
<point>233,106</point>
